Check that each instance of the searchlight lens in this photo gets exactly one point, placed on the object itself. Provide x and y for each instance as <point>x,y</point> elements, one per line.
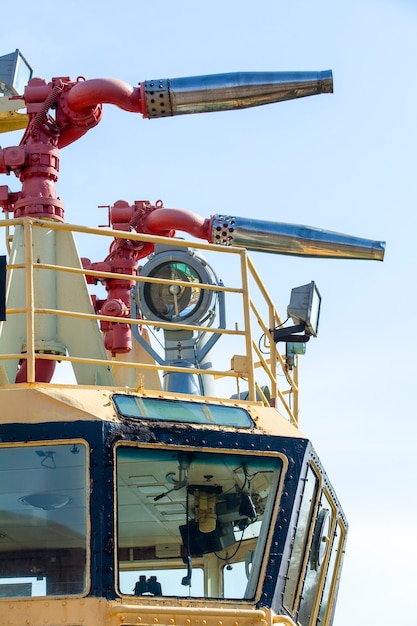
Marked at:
<point>175,290</point>
<point>173,301</point>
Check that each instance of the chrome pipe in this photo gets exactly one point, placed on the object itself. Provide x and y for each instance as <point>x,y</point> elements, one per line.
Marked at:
<point>224,92</point>
<point>291,239</point>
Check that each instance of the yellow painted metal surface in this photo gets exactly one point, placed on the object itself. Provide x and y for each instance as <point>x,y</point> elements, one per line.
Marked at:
<point>12,121</point>
<point>52,403</point>
<point>54,612</point>
<point>10,118</point>
<point>100,612</point>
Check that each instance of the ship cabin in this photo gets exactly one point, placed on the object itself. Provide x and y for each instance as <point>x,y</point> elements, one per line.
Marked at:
<point>152,469</point>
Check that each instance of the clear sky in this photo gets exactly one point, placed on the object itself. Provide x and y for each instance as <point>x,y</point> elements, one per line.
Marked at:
<point>344,162</point>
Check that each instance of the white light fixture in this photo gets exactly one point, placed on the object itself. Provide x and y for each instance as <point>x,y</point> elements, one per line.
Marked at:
<point>45,501</point>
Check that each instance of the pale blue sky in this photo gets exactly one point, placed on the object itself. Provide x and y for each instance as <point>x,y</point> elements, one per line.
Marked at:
<point>344,162</point>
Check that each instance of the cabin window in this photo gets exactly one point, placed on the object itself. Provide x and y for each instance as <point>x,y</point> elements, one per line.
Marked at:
<point>319,548</point>
<point>300,543</point>
<point>193,523</point>
<point>332,575</point>
<point>137,407</point>
<point>43,519</point>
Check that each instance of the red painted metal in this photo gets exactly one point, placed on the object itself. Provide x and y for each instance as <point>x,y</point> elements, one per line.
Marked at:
<point>44,370</point>
<point>123,258</point>
<point>89,93</point>
<point>160,221</point>
<point>35,162</point>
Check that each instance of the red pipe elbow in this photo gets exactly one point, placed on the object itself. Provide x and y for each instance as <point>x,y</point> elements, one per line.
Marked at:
<point>86,94</point>
<point>44,370</point>
<point>161,220</point>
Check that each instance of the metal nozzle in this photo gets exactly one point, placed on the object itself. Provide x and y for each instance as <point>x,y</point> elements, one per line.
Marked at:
<point>292,239</point>
<point>224,92</point>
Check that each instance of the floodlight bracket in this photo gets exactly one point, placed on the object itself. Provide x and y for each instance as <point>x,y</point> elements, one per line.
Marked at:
<point>288,335</point>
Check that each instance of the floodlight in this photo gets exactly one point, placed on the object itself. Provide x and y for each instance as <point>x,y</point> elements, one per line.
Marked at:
<point>15,73</point>
<point>304,307</point>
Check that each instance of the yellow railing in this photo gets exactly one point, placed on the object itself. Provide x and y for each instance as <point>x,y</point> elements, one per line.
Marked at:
<point>252,359</point>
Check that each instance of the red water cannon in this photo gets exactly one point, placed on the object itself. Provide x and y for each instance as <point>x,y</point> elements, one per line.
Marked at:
<point>221,230</point>
<point>62,111</point>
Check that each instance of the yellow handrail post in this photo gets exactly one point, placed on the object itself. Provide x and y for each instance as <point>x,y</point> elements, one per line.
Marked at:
<point>30,305</point>
<point>247,324</point>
